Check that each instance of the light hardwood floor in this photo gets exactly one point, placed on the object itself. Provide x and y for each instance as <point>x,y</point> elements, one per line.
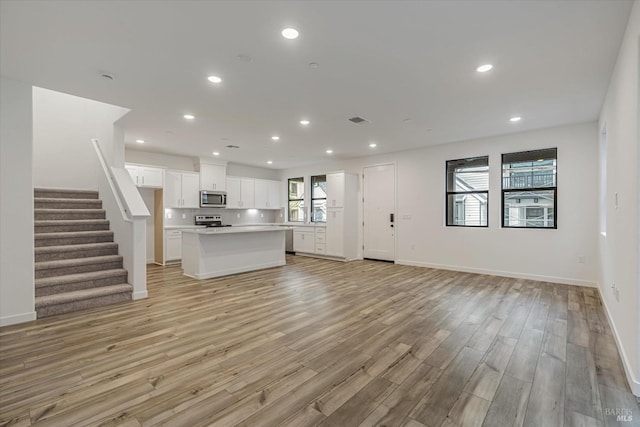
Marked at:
<point>320,342</point>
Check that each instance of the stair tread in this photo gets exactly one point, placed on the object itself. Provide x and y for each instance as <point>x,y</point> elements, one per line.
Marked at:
<point>59,263</point>
<point>58,199</point>
<point>74,247</point>
<point>79,277</point>
<point>69,221</point>
<point>47,210</point>
<point>84,294</point>
<point>62,234</point>
<point>64,190</point>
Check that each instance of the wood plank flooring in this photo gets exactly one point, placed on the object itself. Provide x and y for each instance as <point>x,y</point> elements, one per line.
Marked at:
<point>322,343</point>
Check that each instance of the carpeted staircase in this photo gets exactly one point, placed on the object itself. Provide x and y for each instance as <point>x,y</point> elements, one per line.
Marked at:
<point>77,265</point>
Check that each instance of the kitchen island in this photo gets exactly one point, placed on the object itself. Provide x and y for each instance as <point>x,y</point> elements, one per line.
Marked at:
<point>220,251</point>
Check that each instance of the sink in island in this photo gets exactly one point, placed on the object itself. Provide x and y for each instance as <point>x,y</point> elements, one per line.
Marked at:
<point>215,252</point>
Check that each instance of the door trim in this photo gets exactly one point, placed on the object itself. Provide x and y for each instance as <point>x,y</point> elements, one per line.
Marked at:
<point>395,205</point>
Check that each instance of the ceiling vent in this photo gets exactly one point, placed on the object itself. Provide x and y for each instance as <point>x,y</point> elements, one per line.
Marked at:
<point>358,120</point>
<point>232,146</point>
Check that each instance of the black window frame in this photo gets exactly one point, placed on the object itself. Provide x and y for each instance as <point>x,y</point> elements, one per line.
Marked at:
<point>289,199</point>
<point>454,193</point>
<point>529,189</point>
<point>311,207</point>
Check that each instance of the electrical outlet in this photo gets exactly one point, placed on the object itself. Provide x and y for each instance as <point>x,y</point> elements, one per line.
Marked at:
<point>238,215</point>
<point>184,216</point>
<point>261,215</point>
<point>169,216</point>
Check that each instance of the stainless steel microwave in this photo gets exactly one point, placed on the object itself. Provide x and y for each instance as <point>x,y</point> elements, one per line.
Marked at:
<point>213,199</point>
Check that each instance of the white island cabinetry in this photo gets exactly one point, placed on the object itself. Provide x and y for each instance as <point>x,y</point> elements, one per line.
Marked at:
<point>215,252</point>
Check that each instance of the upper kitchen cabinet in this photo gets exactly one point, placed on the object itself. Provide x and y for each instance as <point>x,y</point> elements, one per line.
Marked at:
<point>267,194</point>
<point>181,189</point>
<point>145,176</point>
<point>213,177</point>
<point>335,189</point>
<point>240,193</point>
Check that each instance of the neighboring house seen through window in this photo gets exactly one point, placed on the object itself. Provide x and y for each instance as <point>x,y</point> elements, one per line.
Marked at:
<point>529,193</point>
<point>296,199</point>
<point>319,198</point>
<point>468,192</point>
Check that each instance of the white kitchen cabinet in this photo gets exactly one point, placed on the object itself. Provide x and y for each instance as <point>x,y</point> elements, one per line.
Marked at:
<point>342,221</point>
<point>145,176</point>
<point>173,245</point>
<point>320,247</point>
<point>335,232</point>
<point>213,177</point>
<point>267,194</point>
<point>304,240</point>
<point>335,189</point>
<point>181,190</point>
<point>240,193</point>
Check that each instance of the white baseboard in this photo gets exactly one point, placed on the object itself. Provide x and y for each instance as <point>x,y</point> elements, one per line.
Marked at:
<point>628,369</point>
<point>515,275</point>
<point>18,318</point>
<point>139,295</point>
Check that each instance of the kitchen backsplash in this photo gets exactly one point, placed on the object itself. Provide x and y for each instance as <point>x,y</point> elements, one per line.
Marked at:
<point>229,216</point>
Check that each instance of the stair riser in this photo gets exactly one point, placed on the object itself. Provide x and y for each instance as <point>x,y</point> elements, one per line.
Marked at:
<point>80,253</point>
<point>72,240</point>
<point>53,310</point>
<point>52,194</point>
<point>65,204</point>
<point>44,216</point>
<point>73,269</point>
<point>78,286</point>
<point>70,227</point>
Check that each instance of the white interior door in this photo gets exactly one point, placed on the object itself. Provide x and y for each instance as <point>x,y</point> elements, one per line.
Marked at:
<point>379,190</point>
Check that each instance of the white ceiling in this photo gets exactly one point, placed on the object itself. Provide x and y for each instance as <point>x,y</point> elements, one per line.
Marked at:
<point>387,61</point>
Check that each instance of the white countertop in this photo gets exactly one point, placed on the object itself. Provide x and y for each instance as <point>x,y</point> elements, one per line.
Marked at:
<point>237,229</point>
<point>182,227</point>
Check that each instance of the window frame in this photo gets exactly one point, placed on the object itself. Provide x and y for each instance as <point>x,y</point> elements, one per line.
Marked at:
<point>454,193</point>
<point>313,199</point>
<point>289,199</point>
<point>529,190</point>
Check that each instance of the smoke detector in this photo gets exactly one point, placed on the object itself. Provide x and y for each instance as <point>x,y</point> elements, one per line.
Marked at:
<point>358,120</point>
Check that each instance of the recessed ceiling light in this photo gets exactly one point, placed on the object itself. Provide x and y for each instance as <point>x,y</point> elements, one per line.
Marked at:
<point>290,33</point>
<point>275,138</point>
<point>515,119</point>
<point>329,151</point>
<point>214,79</point>
<point>304,122</point>
<point>215,153</point>
<point>373,145</point>
<point>140,141</point>
<point>484,68</point>
<point>269,162</point>
<point>189,116</point>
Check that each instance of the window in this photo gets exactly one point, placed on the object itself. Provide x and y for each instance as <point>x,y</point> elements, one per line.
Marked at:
<point>529,195</point>
<point>296,199</point>
<point>468,192</point>
<point>319,198</point>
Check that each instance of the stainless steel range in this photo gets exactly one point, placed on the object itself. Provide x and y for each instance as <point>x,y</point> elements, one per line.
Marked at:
<point>210,221</point>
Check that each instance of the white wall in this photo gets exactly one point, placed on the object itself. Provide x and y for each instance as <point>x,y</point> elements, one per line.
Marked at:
<point>550,255</point>
<point>63,126</point>
<point>184,163</point>
<point>168,161</point>
<point>619,249</point>
<point>16,204</point>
